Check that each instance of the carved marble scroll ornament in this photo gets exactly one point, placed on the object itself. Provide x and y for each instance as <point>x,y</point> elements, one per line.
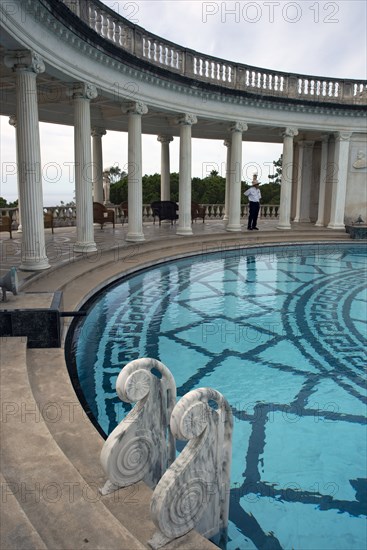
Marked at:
<point>194,492</point>
<point>141,447</point>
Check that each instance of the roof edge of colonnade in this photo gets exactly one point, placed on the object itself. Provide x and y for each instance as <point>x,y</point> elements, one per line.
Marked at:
<point>151,52</point>
<point>141,64</point>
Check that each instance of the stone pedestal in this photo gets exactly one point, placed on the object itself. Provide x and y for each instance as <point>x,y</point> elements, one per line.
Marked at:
<point>357,231</point>
<point>36,316</point>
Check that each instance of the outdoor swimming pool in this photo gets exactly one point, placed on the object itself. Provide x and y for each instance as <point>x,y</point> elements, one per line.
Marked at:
<point>281,333</point>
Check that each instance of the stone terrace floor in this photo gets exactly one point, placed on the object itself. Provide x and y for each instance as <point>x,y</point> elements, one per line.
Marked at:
<point>59,246</point>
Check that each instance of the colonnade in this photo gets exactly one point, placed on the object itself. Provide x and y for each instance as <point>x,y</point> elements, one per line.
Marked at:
<point>296,184</point>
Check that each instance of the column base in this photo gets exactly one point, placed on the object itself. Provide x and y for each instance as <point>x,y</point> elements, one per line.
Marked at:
<point>19,230</point>
<point>233,227</point>
<point>34,264</point>
<point>336,226</point>
<point>184,231</point>
<point>284,226</point>
<point>319,224</point>
<point>84,248</point>
<point>135,237</point>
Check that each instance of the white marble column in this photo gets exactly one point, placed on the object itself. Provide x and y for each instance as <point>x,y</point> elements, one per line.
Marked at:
<point>342,141</point>
<point>13,122</point>
<point>286,185</point>
<point>322,188</point>
<point>97,173</point>
<point>27,65</point>
<point>184,192</point>
<point>135,111</point>
<point>227,143</point>
<point>306,181</point>
<point>234,213</point>
<point>82,94</point>
<point>297,216</point>
<point>165,167</point>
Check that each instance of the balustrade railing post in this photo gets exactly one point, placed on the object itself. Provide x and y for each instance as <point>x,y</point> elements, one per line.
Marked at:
<point>189,64</point>
<point>138,44</point>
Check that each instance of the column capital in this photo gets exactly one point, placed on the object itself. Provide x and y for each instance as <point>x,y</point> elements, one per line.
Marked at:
<point>324,138</point>
<point>98,132</point>
<point>342,136</point>
<point>164,139</point>
<point>290,131</point>
<point>13,120</point>
<point>26,60</point>
<point>238,127</point>
<point>186,119</point>
<point>227,142</point>
<point>135,108</point>
<point>83,90</point>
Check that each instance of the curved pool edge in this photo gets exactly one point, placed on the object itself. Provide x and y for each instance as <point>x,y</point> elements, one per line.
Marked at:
<point>80,280</point>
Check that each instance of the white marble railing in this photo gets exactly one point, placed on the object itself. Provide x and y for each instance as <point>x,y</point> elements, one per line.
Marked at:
<point>212,70</point>
<point>65,216</point>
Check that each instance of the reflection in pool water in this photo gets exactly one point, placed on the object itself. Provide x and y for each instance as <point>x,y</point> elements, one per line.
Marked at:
<point>281,332</point>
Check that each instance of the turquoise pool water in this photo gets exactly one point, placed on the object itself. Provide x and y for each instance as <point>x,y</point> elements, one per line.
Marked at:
<point>281,332</point>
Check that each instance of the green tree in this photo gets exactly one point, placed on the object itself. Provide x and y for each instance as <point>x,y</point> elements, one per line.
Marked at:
<point>270,193</point>
<point>114,174</point>
<point>118,191</point>
<point>277,177</point>
<point>4,203</point>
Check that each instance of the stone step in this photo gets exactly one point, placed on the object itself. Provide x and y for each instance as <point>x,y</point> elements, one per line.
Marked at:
<point>17,532</point>
<point>81,443</point>
<point>56,500</point>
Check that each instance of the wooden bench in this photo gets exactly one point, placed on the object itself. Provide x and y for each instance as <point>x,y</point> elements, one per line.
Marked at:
<point>48,221</point>
<point>197,211</point>
<point>102,215</point>
<point>5,224</point>
<point>164,210</point>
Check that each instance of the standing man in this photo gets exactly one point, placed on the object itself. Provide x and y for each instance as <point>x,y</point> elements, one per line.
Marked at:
<point>254,196</point>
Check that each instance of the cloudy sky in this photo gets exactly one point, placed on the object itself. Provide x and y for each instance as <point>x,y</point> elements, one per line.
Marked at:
<point>311,37</point>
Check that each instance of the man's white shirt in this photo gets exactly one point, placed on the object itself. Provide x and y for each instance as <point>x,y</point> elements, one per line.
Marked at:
<point>253,194</point>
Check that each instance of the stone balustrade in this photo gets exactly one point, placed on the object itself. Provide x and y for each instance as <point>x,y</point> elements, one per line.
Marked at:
<point>211,70</point>
<point>65,216</point>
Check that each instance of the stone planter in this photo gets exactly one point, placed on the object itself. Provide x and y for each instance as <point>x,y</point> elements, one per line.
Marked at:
<point>357,231</point>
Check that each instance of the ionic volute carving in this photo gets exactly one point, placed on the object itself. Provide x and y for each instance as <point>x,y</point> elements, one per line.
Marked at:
<point>83,90</point>
<point>194,492</point>
<point>238,127</point>
<point>135,108</point>
<point>289,132</point>
<point>27,60</point>
<point>141,447</point>
<point>186,119</point>
<point>98,132</point>
<point>164,139</point>
<point>13,120</point>
<point>343,136</point>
